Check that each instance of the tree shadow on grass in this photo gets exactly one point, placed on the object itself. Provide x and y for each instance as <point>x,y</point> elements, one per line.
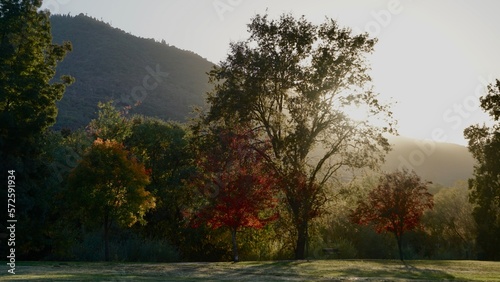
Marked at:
<point>393,270</point>
<point>421,274</point>
<point>271,269</point>
<point>373,270</point>
<point>335,270</point>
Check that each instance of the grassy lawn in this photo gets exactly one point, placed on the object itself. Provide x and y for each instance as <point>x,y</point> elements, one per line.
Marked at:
<point>319,270</point>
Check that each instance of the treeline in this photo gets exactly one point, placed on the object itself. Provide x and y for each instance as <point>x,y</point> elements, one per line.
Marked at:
<point>59,224</point>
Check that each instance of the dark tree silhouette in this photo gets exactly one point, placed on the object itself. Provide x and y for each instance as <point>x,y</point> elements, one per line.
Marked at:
<point>29,91</point>
<point>484,144</point>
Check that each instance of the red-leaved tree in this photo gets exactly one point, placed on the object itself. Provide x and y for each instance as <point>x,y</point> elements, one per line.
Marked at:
<point>396,205</point>
<point>242,187</point>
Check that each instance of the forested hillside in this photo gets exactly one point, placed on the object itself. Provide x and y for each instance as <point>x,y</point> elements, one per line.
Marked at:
<point>155,79</point>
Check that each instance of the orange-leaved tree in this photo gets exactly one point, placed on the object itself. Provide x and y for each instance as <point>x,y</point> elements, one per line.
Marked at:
<point>107,186</point>
<point>396,205</point>
<point>243,188</point>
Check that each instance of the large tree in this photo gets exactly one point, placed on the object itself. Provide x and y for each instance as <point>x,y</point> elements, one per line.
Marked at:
<point>29,91</point>
<point>295,82</point>
<point>107,186</point>
<point>484,144</point>
<point>396,205</point>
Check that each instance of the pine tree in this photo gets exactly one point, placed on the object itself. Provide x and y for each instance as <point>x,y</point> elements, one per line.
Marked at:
<point>484,144</point>
<point>28,60</point>
<point>28,96</point>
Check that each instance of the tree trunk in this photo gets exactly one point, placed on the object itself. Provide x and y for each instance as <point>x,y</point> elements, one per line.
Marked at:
<point>106,236</point>
<point>399,239</point>
<point>300,247</point>
<point>235,246</point>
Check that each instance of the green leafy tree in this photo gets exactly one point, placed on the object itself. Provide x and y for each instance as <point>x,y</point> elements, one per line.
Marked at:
<point>396,205</point>
<point>28,96</point>
<point>108,186</point>
<point>61,152</point>
<point>450,223</point>
<point>110,123</point>
<point>28,61</point>
<point>295,82</point>
<point>163,148</point>
<point>484,144</point>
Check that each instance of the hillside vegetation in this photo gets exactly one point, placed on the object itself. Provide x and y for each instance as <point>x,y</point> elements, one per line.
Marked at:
<point>155,79</point>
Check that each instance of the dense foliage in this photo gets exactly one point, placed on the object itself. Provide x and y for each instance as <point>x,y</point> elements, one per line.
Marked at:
<point>28,60</point>
<point>484,144</point>
<point>106,186</point>
<point>232,165</point>
<point>29,90</point>
<point>396,205</point>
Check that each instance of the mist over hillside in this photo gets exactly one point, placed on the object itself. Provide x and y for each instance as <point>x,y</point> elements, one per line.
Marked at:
<point>441,163</point>
<point>152,78</point>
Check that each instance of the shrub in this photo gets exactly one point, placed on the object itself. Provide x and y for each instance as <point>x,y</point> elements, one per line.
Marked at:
<point>130,249</point>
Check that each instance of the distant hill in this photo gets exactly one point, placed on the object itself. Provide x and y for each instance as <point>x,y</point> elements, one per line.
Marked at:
<point>441,163</point>
<point>154,78</point>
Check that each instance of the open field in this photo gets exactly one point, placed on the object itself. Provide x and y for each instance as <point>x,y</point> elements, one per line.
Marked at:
<point>320,270</point>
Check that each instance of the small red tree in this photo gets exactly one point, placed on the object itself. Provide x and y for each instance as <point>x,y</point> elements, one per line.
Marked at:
<point>243,187</point>
<point>396,205</point>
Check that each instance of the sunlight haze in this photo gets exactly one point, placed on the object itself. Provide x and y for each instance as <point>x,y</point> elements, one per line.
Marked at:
<point>432,58</point>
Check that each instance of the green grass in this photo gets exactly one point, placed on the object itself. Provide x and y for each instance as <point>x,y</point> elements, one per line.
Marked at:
<point>319,270</point>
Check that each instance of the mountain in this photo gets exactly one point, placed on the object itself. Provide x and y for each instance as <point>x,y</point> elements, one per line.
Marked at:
<point>441,163</point>
<point>153,78</point>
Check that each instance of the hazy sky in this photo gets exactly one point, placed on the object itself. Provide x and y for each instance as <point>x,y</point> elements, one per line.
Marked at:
<point>432,58</point>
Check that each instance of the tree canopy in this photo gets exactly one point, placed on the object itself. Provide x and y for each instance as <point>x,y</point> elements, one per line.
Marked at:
<point>108,185</point>
<point>396,205</point>
<point>29,90</point>
<point>244,186</point>
<point>294,82</point>
<point>28,61</point>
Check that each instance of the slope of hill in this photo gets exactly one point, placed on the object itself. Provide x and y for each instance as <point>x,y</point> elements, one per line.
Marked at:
<point>155,79</point>
<point>441,163</point>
